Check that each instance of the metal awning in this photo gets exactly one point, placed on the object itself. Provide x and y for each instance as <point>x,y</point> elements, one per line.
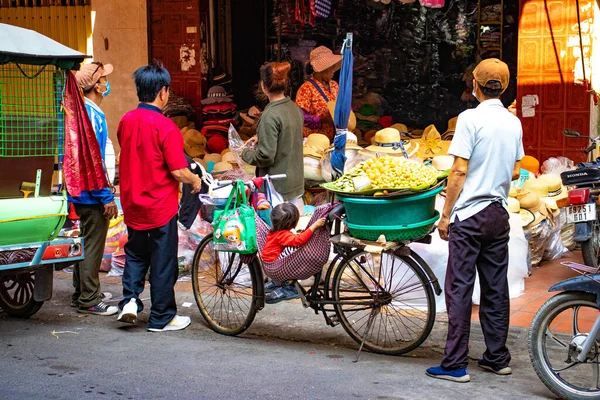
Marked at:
<point>26,46</point>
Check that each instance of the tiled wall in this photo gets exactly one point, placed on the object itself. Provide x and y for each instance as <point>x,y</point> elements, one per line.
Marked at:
<point>120,25</point>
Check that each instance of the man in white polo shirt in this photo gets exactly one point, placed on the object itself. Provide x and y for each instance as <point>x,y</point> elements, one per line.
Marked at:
<point>487,147</point>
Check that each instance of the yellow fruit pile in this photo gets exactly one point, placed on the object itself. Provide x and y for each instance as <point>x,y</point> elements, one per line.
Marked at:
<point>387,173</point>
<point>398,173</point>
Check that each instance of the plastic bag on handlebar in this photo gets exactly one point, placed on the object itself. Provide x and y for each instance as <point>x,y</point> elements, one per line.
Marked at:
<point>557,165</point>
<point>237,146</point>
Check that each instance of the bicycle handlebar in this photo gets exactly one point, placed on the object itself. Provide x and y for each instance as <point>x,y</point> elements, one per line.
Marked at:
<point>273,177</point>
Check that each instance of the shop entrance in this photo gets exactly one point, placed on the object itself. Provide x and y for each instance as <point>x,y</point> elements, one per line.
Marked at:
<point>175,32</point>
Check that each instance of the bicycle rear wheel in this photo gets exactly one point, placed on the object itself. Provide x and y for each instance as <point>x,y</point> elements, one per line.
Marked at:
<point>386,301</point>
<point>224,288</point>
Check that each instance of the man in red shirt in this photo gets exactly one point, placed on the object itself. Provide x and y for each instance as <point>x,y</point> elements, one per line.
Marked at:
<point>152,163</point>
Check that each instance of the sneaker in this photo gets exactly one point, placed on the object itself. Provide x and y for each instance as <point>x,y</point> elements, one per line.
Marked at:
<point>455,375</point>
<point>494,368</point>
<point>271,286</point>
<point>282,294</point>
<point>100,309</point>
<point>177,323</point>
<point>103,297</point>
<point>129,312</point>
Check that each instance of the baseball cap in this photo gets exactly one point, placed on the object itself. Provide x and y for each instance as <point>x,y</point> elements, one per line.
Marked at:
<point>490,70</point>
<point>89,74</point>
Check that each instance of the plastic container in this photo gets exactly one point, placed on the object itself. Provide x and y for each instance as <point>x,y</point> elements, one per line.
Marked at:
<point>34,219</point>
<point>393,233</point>
<point>391,212</point>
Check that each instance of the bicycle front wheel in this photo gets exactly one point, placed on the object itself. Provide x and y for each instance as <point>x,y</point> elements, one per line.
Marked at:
<point>386,301</point>
<point>224,288</point>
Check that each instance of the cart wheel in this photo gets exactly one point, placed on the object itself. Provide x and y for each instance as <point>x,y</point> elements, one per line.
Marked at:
<point>224,288</point>
<point>16,295</point>
<point>386,299</point>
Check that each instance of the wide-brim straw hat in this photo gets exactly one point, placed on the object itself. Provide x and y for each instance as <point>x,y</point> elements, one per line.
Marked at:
<point>557,194</point>
<point>194,143</point>
<point>400,128</point>
<point>323,58</point>
<point>213,157</point>
<point>451,126</point>
<point>431,143</point>
<point>532,203</point>
<point>351,118</point>
<point>316,145</point>
<point>388,141</point>
<point>221,167</point>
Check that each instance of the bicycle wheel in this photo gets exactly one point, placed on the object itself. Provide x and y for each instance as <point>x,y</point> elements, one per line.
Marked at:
<point>224,288</point>
<point>388,300</point>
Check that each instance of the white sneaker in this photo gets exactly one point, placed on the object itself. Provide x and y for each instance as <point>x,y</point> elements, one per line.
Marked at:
<point>129,313</point>
<point>177,323</point>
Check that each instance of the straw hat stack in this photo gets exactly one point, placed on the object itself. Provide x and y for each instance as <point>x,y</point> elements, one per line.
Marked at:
<point>314,149</point>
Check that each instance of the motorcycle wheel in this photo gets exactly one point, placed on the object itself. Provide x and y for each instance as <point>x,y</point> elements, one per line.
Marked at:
<point>590,249</point>
<point>561,323</point>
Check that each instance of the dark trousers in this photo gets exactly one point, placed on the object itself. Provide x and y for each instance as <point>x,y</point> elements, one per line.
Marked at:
<point>93,226</point>
<point>155,248</point>
<point>479,243</point>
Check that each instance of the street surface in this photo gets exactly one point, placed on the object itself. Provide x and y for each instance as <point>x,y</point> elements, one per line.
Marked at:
<point>288,353</point>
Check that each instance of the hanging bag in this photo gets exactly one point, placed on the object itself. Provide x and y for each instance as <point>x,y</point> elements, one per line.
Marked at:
<point>235,226</point>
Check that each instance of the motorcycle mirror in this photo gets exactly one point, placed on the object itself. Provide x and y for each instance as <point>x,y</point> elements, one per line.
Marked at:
<point>571,133</point>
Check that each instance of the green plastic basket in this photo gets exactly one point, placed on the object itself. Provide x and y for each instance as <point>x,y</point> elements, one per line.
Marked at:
<point>393,233</point>
<point>391,212</point>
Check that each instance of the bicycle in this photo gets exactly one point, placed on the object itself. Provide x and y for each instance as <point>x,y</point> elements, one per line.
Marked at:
<point>385,303</point>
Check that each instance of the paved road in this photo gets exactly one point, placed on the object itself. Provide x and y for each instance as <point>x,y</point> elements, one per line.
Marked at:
<point>288,353</point>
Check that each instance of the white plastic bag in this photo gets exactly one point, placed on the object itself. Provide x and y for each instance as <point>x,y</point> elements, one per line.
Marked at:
<point>237,146</point>
<point>557,165</point>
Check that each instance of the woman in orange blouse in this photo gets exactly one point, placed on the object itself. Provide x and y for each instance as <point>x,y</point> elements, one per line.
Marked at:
<point>314,94</point>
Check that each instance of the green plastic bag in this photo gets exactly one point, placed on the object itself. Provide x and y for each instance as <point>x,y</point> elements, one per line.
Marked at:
<point>235,226</point>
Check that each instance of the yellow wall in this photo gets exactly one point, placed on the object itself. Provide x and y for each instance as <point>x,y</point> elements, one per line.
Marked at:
<point>70,26</point>
<point>122,25</point>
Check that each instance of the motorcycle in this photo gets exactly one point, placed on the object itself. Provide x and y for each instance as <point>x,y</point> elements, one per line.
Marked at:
<point>583,199</point>
<point>564,336</point>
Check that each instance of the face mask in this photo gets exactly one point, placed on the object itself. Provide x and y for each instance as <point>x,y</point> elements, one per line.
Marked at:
<point>474,95</point>
<point>107,91</point>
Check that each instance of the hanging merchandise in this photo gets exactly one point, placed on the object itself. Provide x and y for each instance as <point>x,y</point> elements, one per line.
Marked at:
<point>432,3</point>
<point>235,226</point>
<point>320,8</point>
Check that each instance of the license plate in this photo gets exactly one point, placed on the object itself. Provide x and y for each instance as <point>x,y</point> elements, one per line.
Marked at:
<point>581,213</point>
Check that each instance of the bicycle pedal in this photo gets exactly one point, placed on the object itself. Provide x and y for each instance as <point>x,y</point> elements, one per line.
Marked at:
<point>332,321</point>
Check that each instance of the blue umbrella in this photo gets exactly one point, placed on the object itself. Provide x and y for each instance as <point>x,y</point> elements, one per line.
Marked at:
<point>342,109</point>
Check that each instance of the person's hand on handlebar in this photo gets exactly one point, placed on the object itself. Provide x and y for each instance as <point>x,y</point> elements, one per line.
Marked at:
<point>319,224</point>
<point>196,186</point>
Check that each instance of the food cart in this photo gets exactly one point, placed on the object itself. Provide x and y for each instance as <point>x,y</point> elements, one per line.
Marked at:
<point>33,202</point>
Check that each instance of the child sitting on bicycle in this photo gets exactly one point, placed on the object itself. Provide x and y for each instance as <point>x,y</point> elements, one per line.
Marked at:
<point>281,241</point>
